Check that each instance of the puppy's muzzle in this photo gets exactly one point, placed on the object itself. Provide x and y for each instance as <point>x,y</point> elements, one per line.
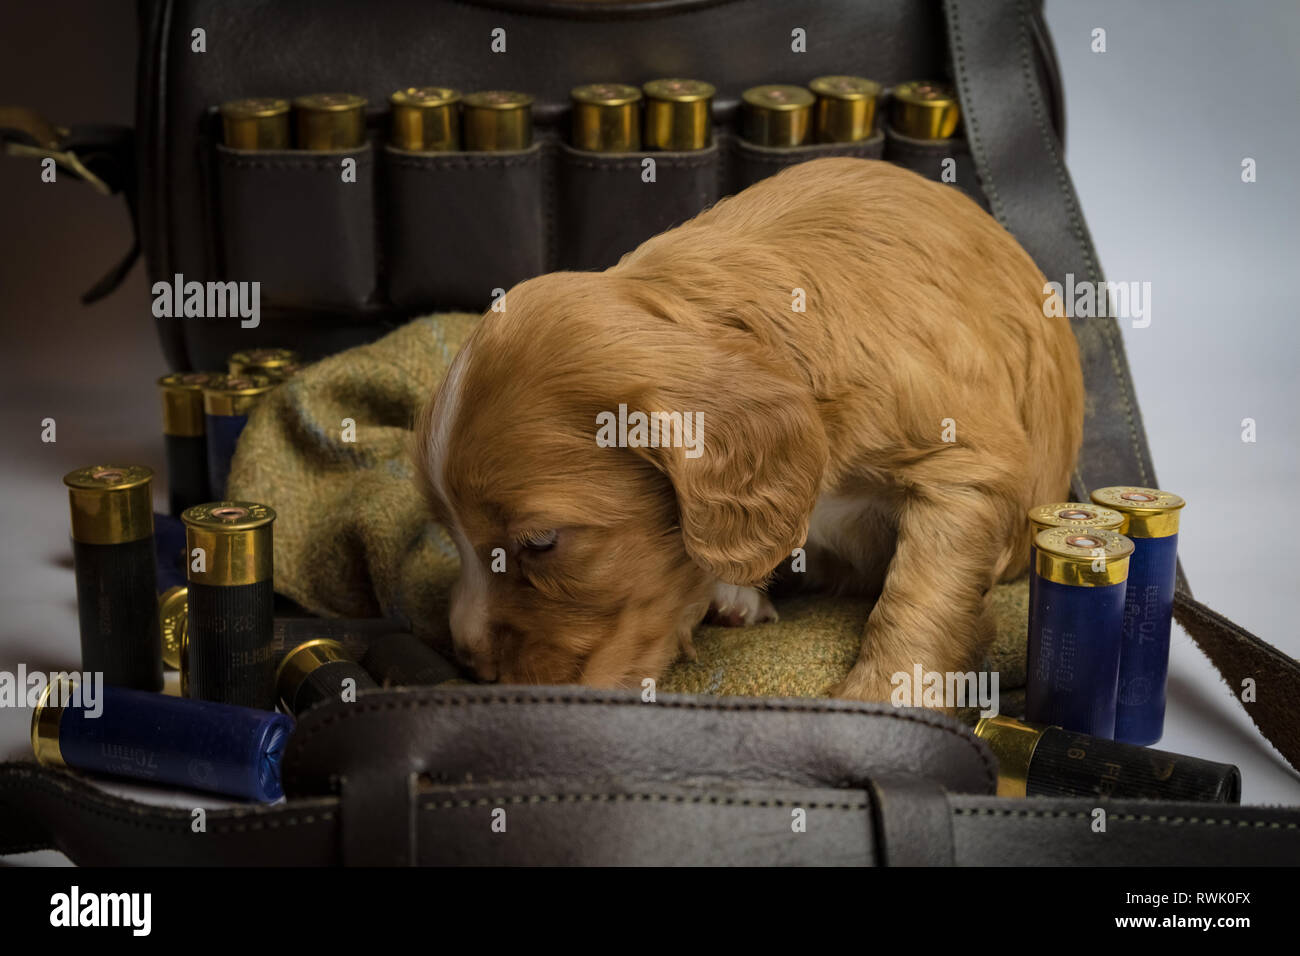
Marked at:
<point>481,664</point>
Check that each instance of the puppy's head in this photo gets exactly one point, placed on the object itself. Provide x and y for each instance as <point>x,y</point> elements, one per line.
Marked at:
<point>586,563</point>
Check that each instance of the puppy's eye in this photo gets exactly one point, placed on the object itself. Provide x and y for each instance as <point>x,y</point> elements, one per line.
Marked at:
<point>538,540</point>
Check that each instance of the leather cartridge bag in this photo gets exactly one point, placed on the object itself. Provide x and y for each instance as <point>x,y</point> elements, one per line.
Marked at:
<point>417,776</point>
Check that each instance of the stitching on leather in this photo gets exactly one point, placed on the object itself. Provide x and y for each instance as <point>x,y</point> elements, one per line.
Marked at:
<point>1124,818</point>
<point>463,164</point>
<point>1035,107</point>
<point>941,149</point>
<point>974,140</point>
<point>725,144</point>
<point>324,164</point>
<point>1058,166</point>
<point>635,797</point>
<point>286,164</point>
<point>21,779</point>
<point>596,16</point>
<point>550,229</point>
<point>362,706</point>
<point>461,161</point>
<point>798,155</point>
<point>919,157</point>
<point>623,164</point>
<point>1109,328</point>
<point>379,215</point>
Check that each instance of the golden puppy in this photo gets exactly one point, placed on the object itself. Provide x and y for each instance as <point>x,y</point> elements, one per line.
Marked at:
<point>861,367</point>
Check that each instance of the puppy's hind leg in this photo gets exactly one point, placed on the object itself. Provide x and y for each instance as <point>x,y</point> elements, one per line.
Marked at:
<point>933,609</point>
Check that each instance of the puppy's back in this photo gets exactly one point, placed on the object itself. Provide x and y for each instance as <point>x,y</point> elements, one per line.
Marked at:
<point>912,291</point>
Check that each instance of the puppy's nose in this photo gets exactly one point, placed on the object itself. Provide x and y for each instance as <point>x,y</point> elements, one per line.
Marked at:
<point>480,665</point>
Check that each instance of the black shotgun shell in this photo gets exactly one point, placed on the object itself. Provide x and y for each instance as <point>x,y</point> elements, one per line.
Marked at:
<point>678,114</point>
<point>400,659</point>
<point>317,671</point>
<point>1034,760</point>
<point>257,123</point>
<point>116,572</point>
<point>173,615</point>
<point>230,657</point>
<point>426,119</point>
<point>497,120</point>
<point>606,117</point>
<point>185,438</point>
<point>265,361</point>
<point>846,108</point>
<point>777,115</point>
<point>924,110</point>
<point>353,633</point>
<point>330,121</point>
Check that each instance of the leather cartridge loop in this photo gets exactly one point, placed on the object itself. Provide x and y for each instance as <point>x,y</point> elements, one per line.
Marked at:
<point>913,823</point>
<point>378,811</point>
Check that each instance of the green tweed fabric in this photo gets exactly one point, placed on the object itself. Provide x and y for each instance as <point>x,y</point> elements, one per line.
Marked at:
<point>328,450</point>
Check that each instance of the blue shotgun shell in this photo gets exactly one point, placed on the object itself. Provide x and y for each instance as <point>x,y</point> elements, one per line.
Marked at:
<point>1151,521</point>
<point>198,745</point>
<point>227,400</point>
<point>1066,514</point>
<point>1075,623</point>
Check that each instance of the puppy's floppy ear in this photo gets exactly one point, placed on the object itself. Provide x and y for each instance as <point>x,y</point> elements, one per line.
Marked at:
<point>745,501</point>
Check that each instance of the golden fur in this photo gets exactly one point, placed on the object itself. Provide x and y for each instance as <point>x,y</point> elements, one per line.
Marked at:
<point>920,309</point>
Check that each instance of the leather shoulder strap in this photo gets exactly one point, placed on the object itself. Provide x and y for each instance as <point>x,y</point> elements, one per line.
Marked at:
<point>1022,171</point>
<point>101,155</point>
<point>436,775</point>
<point>624,819</point>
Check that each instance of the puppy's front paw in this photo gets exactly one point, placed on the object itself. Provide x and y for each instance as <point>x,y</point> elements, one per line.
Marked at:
<point>862,684</point>
<point>735,606</point>
<point>686,646</point>
<point>868,684</point>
